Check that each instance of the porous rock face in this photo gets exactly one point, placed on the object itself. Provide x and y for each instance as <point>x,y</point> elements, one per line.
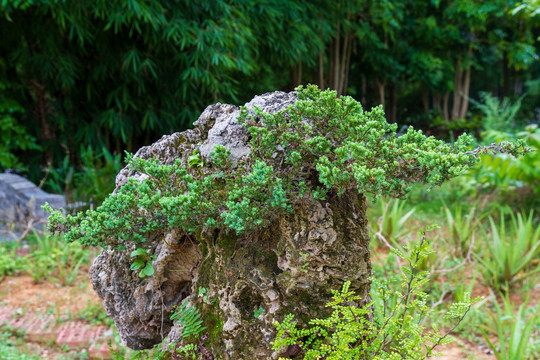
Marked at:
<point>289,267</point>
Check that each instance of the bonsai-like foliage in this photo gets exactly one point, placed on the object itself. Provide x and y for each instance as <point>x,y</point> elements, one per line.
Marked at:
<point>321,147</point>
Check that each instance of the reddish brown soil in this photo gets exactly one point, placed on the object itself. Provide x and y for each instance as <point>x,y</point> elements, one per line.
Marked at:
<point>22,293</point>
<point>63,302</point>
<point>463,350</point>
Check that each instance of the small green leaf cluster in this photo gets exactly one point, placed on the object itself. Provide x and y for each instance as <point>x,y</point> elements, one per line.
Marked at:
<point>143,261</point>
<point>258,312</point>
<point>304,261</point>
<point>320,147</point>
<point>188,316</point>
<point>188,350</point>
<point>388,327</point>
<point>204,296</point>
<point>195,159</point>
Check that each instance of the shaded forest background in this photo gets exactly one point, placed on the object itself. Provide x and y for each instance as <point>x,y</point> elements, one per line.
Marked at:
<point>82,81</point>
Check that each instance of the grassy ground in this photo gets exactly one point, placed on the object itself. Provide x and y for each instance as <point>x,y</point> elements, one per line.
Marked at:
<point>481,246</point>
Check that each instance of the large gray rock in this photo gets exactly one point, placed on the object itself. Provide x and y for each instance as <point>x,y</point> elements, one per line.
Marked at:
<point>242,273</point>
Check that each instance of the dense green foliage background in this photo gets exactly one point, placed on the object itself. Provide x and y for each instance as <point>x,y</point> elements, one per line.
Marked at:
<point>89,79</point>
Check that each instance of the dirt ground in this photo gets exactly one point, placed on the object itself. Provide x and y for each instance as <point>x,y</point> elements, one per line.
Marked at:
<point>464,350</point>
<point>46,297</point>
<point>65,303</point>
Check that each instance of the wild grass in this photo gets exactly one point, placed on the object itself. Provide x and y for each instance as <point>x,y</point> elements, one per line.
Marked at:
<point>513,327</point>
<point>509,254</point>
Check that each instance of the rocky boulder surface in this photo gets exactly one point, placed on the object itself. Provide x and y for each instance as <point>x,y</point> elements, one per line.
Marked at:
<point>288,267</point>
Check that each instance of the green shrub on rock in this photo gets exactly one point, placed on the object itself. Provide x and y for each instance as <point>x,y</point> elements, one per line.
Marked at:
<point>321,147</point>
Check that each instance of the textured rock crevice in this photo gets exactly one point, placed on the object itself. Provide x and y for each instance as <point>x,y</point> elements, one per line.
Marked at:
<point>289,267</point>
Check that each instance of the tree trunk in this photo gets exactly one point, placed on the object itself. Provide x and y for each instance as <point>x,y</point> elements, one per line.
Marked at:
<point>445,107</point>
<point>335,69</point>
<point>462,81</point>
<point>289,267</point>
<point>300,72</point>
<point>392,103</point>
<point>506,76</point>
<point>321,70</point>
<point>518,85</point>
<point>295,77</point>
<point>339,59</point>
<point>364,91</point>
<point>456,104</point>
<point>41,110</point>
<point>345,61</point>
<point>347,65</point>
<point>425,100</point>
<point>380,88</point>
<point>440,102</point>
<point>437,102</point>
<point>466,86</point>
